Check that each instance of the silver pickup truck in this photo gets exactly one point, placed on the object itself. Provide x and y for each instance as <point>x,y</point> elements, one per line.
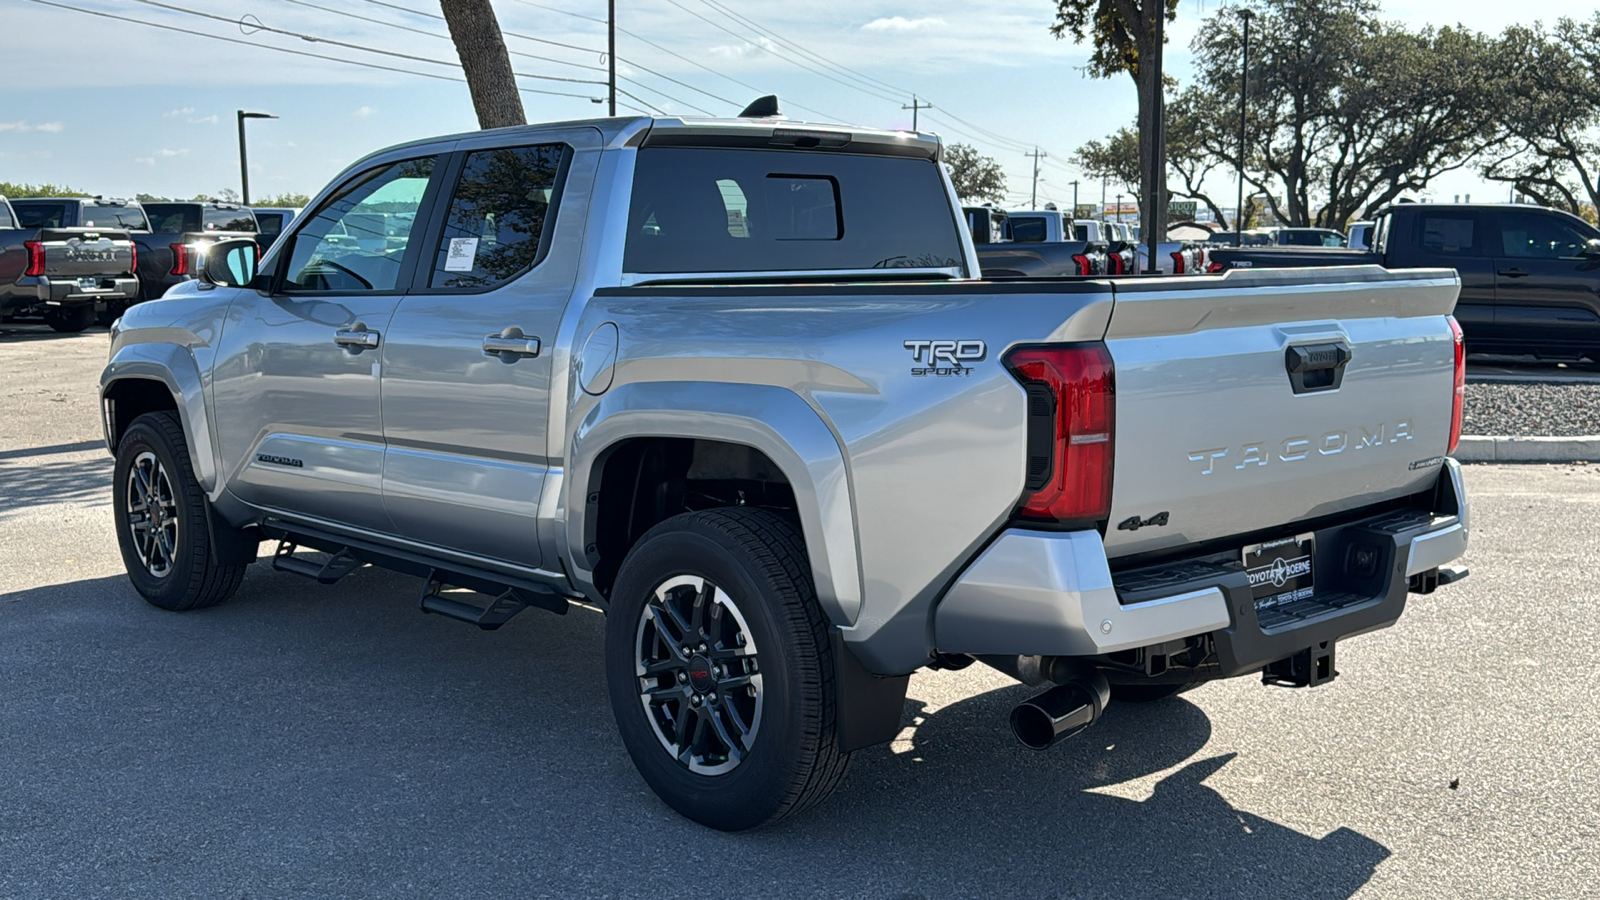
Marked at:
<point>740,384</point>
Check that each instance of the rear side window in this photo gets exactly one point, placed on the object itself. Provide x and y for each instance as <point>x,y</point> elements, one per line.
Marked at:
<point>499,216</point>
<point>731,210</point>
<point>1449,235</point>
<point>228,220</point>
<point>36,214</point>
<point>6,221</point>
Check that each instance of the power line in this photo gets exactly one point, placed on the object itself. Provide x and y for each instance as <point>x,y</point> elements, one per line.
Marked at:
<point>337,59</point>
<point>869,81</point>
<point>260,26</point>
<point>525,37</point>
<point>642,86</point>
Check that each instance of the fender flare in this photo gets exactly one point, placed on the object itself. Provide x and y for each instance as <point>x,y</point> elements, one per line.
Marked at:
<point>773,420</point>
<point>173,366</point>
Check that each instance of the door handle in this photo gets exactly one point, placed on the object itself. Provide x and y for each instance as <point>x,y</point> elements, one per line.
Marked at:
<point>1514,273</point>
<point>357,338</point>
<point>510,345</point>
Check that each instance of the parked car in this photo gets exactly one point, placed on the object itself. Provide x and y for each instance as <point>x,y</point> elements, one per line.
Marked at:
<point>1359,236</point>
<point>179,233</point>
<point>1051,226</point>
<point>272,220</point>
<point>1002,257</point>
<point>1118,247</point>
<point>66,275</point>
<point>738,384</point>
<point>1530,276</point>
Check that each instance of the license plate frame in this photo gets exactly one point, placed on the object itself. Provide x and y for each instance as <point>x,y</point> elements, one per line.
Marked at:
<point>89,284</point>
<point>1281,571</point>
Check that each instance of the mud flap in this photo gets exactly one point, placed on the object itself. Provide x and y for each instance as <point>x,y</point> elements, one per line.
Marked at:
<point>869,705</point>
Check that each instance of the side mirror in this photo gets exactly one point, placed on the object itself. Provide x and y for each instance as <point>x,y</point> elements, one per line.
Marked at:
<point>1592,248</point>
<point>230,263</point>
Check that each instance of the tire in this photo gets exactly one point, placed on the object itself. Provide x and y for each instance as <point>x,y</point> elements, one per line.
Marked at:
<point>759,656</point>
<point>70,319</point>
<point>1149,693</point>
<point>165,541</point>
<point>114,310</point>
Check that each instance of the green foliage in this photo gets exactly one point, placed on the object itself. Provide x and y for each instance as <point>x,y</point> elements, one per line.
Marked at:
<point>977,178</point>
<point>226,195</point>
<point>294,201</point>
<point>20,191</point>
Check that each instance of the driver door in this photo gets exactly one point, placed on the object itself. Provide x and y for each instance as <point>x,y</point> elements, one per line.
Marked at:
<point>298,412</point>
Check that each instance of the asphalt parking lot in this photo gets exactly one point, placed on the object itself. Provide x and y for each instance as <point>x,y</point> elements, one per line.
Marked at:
<point>331,741</point>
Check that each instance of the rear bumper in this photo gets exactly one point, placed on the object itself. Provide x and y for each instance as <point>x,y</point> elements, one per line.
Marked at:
<point>68,291</point>
<point>1053,593</point>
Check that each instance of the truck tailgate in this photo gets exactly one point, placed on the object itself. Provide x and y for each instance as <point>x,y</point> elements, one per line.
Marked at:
<point>1217,438</point>
<point>85,252</point>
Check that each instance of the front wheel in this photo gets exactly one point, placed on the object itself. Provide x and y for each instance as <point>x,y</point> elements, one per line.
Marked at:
<point>720,670</point>
<point>161,519</point>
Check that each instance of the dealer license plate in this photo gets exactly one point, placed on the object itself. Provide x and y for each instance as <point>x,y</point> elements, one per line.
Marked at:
<point>88,284</point>
<point>1280,571</point>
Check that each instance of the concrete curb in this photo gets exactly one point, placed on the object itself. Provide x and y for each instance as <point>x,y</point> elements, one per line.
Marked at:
<point>1504,448</point>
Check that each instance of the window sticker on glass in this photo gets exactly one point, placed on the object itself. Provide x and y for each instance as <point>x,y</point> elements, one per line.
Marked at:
<point>463,255</point>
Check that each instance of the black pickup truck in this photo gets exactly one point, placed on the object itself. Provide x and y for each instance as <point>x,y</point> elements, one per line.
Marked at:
<point>1001,256</point>
<point>66,275</point>
<point>1530,276</point>
<point>178,231</point>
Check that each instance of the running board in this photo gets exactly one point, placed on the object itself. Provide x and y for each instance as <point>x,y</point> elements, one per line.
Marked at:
<point>503,602</point>
<point>339,563</point>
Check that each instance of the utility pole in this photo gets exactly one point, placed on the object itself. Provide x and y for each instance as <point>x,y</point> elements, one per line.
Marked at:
<point>1074,198</point>
<point>1119,206</point>
<point>1102,198</point>
<point>1037,155</point>
<point>1244,84</point>
<point>611,52</point>
<point>244,162</point>
<point>915,105</point>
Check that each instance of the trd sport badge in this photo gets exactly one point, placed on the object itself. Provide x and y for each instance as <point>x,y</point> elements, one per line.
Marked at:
<point>945,358</point>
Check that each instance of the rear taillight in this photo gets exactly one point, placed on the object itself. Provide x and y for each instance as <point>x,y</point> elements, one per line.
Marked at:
<point>1177,263</point>
<point>1114,263</point>
<point>1214,268</point>
<point>1459,403</point>
<point>35,258</point>
<point>133,259</point>
<point>1084,266</point>
<point>1070,410</point>
<point>180,259</point>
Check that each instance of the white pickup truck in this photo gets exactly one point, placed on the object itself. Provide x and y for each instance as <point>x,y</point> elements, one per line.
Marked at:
<point>733,382</point>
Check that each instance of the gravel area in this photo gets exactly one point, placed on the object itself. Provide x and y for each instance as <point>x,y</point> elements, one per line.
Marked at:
<point>1554,410</point>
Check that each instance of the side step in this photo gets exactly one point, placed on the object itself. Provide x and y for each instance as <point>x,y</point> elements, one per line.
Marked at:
<point>503,602</point>
<point>337,566</point>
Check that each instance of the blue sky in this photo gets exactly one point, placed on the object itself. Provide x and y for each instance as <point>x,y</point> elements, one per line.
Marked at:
<point>118,108</point>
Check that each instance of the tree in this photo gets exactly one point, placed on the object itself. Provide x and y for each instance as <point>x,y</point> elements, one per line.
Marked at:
<point>226,195</point>
<point>20,191</point>
<point>977,178</point>
<point>1115,159</point>
<point>1123,33</point>
<point>483,55</point>
<point>1548,115</point>
<point>1190,157</point>
<point>293,201</point>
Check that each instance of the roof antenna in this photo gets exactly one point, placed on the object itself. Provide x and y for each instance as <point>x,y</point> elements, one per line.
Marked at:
<point>763,108</point>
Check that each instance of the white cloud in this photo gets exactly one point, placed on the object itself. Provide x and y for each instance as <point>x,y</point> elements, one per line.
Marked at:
<point>363,112</point>
<point>171,153</point>
<point>145,160</point>
<point>175,113</point>
<point>745,49</point>
<point>24,126</point>
<point>205,120</point>
<point>901,23</point>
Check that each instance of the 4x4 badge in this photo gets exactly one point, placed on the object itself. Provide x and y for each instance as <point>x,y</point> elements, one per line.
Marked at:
<point>1134,523</point>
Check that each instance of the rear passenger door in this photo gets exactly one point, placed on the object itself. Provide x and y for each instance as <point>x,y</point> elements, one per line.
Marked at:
<point>471,350</point>
<point>1457,239</point>
<point>1545,285</point>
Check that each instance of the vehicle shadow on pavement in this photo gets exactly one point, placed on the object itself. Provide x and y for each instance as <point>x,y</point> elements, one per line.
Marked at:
<point>30,478</point>
<point>331,741</point>
<point>23,332</point>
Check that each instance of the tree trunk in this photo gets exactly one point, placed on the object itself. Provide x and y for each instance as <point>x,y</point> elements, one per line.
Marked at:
<point>1152,146</point>
<point>476,33</point>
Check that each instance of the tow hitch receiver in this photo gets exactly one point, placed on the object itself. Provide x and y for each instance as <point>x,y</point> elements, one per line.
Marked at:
<point>1310,667</point>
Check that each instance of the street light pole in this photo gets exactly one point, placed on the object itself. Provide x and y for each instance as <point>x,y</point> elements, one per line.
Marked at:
<point>1119,206</point>
<point>611,53</point>
<point>1244,84</point>
<point>244,161</point>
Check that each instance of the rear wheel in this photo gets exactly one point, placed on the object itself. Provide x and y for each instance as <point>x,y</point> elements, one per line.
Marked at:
<point>70,319</point>
<point>720,670</point>
<point>161,519</point>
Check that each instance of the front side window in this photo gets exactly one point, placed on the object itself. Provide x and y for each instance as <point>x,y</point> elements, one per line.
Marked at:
<point>706,209</point>
<point>1449,235</point>
<point>1531,235</point>
<point>357,239</point>
<point>498,216</point>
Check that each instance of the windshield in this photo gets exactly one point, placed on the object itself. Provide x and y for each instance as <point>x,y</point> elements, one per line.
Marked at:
<point>728,210</point>
<point>173,217</point>
<point>96,215</point>
<point>1029,229</point>
<point>40,213</point>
